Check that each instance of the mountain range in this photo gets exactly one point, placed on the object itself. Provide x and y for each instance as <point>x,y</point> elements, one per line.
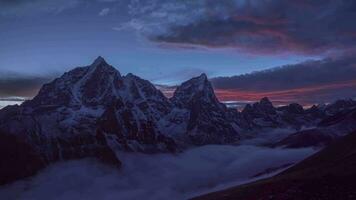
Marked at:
<point>94,111</point>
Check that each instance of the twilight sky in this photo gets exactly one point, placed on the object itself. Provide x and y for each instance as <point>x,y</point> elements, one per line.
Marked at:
<point>169,41</point>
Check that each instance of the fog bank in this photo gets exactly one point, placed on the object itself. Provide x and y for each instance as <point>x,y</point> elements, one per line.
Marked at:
<point>153,177</point>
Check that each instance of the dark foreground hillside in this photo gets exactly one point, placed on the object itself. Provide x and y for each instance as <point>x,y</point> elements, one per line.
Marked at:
<point>329,174</point>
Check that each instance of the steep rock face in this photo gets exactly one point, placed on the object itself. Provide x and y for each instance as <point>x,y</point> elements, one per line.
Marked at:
<point>90,86</point>
<point>261,114</point>
<point>146,96</point>
<point>316,112</point>
<point>132,121</point>
<point>293,108</point>
<point>264,115</point>
<point>197,89</point>
<point>294,115</point>
<point>208,119</point>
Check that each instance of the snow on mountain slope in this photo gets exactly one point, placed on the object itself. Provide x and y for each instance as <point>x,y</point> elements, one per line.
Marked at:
<point>94,111</point>
<point>132,121</point>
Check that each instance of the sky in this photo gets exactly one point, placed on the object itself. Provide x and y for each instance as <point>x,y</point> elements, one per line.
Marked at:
<point>170,41</point>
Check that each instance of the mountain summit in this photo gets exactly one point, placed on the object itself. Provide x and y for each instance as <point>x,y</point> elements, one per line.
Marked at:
<point>195,90</point>
<point>93,85</point>
<point>99,61</point>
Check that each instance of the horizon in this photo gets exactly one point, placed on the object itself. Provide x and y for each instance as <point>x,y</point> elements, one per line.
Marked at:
<point>238,102</point>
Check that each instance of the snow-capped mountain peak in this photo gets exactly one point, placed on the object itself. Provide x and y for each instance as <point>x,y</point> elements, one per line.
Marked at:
<point>197,89</point>
<point>208,119</point>
<point>93,85</point>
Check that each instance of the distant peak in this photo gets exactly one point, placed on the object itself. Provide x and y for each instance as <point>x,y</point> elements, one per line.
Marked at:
<point>100,58</point>
<point>99,61</point>
<point>202,79</point>
<point>265,100</point>
<point>203,76</point>
<point>198,87</point>
<point>199,80</point>
<point>100,67</point>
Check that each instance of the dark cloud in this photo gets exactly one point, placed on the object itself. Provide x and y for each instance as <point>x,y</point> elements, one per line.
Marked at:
<point>308,82</point>
<point>305,26</point>
<point>306,74</point>
<point>19,85</point>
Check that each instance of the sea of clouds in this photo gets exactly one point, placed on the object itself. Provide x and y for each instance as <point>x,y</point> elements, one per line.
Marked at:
<point>154,177</point>
<point>4,102</point>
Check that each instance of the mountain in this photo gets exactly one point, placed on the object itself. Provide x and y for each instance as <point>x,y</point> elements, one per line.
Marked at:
<point>329,174</point>
<point>327,130</point>
<point>263,114</point>
<point>60,122</point>
<point>339,105</point>
<point>93,86</point>
<point>208,121</point>
<point>94,111</point>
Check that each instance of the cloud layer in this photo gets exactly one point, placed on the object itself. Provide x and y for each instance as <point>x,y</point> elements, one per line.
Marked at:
<point>253,26</point>
<point>306,74</point>
<point>280,26</point>
<point>154,177</point>
<point>308,82</point>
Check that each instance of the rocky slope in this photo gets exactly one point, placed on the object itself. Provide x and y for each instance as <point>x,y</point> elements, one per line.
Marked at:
<point>208,120</point>
<point>327,130</point>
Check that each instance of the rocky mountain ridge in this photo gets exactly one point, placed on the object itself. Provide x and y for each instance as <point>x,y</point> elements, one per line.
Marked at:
<point>94,111</point>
